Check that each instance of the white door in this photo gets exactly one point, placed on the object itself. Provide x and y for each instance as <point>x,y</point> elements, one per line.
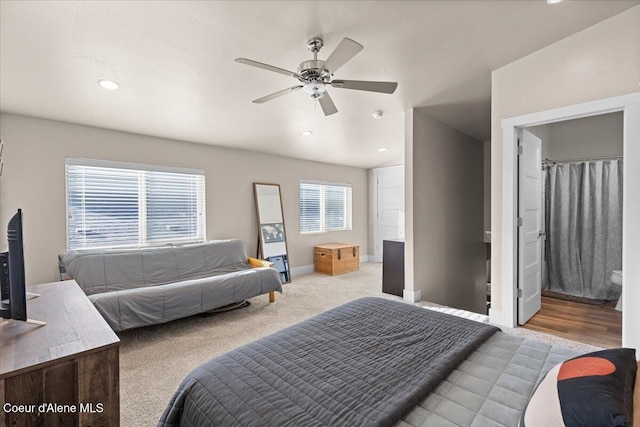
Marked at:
<point>389,215</point>
<point>529,225</point>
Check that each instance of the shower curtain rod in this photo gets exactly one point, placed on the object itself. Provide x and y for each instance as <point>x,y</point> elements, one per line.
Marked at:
<point>585,159</point>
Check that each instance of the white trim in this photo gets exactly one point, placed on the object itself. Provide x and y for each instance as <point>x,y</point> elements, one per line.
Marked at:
<point>593,108</point>
<point>301,271</point>
<point>630,106</point>
<point>73,161</point>
<point>411,296</point>
<point>377,254</point>
<point>335,184</point>
<point>495,317</point>
<point>509,225</point>
<point>476,317</point>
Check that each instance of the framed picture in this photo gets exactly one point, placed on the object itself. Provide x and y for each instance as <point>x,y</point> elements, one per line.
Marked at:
<point>273,232</point>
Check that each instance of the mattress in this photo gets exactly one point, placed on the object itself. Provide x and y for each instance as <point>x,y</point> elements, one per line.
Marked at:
<point>490,387</point>
<point>365,363</point>
<point>371,362</point>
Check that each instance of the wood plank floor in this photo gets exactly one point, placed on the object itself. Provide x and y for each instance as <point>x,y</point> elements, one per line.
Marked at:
<point>591,324</point>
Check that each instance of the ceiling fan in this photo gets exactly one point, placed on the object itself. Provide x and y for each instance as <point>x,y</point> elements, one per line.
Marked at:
<point>315,75</point>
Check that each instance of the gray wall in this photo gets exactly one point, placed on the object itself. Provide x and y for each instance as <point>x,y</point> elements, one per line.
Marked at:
<point>595,136</point>
<point>34,180</point>
<point>487,185</point>
<point>448,250</point>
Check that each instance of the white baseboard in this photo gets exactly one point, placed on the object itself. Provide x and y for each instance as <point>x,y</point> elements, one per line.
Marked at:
<point>411,296</point>
<point>302,270</point>
<point>308,269</point>
<point>495,317</point>
<point>482,318</point>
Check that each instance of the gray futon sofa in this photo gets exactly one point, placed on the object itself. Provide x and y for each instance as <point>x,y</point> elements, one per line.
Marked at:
<point>145,286</point>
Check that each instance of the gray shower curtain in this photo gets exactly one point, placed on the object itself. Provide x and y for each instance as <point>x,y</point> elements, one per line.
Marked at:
<point>583,213</point>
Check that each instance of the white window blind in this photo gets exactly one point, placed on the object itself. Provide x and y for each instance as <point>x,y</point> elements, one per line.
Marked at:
<point>324,207</point>
<point>112,204</point>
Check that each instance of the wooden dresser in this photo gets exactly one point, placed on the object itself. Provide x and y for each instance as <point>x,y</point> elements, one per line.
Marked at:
<point>72,362</point>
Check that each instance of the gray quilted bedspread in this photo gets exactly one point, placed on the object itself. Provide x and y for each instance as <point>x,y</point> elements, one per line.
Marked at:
<point>365,363</point>
<point>491,387</point>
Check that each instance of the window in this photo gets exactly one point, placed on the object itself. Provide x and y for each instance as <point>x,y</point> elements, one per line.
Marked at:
<point>111,204</point>
<point>324,207</point>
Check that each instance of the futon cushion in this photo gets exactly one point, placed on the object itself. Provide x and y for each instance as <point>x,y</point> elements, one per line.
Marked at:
<point>117,269</point>
<point>594,389</point>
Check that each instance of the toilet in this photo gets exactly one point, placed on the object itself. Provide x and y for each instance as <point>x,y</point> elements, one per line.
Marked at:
<point>616,279</point>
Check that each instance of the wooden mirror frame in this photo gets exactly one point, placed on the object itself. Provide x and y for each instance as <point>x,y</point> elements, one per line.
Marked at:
<point>262,249</point>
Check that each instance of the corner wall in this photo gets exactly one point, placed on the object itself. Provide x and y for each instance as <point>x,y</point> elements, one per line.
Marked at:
<point>599,62</point>
<point>447,225</point>
<point>34,180</point>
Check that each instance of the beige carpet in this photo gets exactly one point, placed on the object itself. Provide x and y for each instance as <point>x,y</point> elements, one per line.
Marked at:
<point>155,359</point>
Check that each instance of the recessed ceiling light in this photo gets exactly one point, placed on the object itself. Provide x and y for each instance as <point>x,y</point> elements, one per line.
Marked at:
<point>306,133</point>
<point>553,1</point>
<point>382,150</point>
<point>377,114</point>
<point>108,84</point>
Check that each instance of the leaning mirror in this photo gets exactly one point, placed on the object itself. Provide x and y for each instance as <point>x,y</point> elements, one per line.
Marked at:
<point>272,235</point>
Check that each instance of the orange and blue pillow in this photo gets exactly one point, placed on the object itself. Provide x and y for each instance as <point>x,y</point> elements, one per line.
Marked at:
<point>594,389</point>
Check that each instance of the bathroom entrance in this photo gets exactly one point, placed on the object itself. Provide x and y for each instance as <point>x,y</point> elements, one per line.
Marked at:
<point>570,228</point>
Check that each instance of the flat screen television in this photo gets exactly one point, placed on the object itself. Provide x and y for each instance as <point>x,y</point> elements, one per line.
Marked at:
<point>13,290</point>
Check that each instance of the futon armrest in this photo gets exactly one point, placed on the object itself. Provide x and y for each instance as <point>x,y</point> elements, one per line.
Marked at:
<point>256,263</point>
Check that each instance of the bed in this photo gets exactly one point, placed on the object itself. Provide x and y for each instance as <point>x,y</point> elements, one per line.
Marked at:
<point>369,362</point>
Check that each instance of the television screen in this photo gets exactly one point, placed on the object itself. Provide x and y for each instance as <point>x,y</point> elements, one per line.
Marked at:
<point>13,285</point>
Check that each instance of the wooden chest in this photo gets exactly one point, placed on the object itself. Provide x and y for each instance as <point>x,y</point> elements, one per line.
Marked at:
<point>337,258</point>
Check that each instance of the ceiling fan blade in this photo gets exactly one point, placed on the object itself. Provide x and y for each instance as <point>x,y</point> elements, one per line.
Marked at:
<point>328,107</point>
<point>267,67</point>
<point>382,87</point>
<point>346,50</point>
<point>276,95</point>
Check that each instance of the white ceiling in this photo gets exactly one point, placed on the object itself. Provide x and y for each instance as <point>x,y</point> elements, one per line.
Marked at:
<point>175,63</point>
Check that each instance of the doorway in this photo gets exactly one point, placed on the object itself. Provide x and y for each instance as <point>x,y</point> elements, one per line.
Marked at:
<point>629,105</point>
<point>389,207</point>
<point>570,242</point>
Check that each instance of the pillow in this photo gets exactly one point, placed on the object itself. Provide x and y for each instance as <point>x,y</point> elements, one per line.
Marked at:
<point>594,389</point>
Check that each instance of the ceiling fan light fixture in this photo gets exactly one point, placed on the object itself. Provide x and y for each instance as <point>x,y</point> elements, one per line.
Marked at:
<point>315,89</point>
<point>109,84</point>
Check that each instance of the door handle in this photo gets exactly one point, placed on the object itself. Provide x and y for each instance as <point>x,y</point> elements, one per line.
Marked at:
<point>542,234</point>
